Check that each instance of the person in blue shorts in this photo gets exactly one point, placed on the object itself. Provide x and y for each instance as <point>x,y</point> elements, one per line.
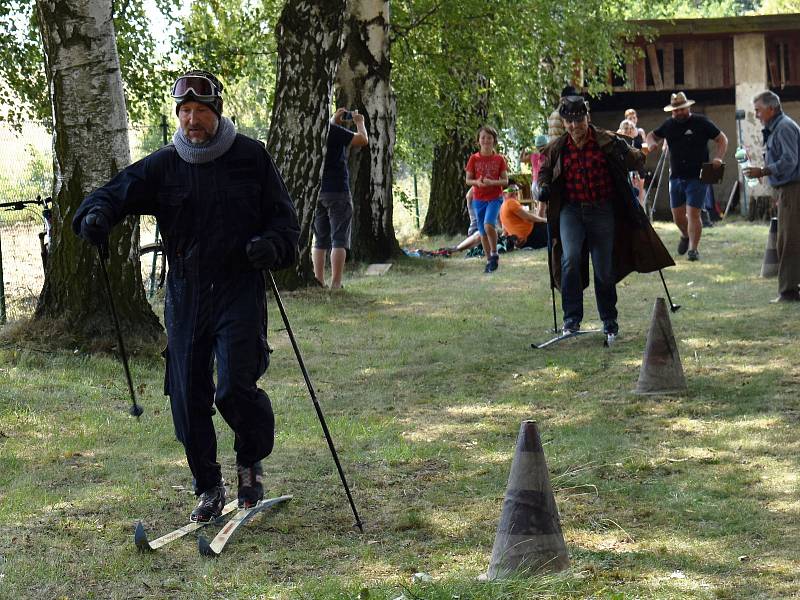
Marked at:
<point>487,174</point>
<point>687,137</point>
<point>334,215</point>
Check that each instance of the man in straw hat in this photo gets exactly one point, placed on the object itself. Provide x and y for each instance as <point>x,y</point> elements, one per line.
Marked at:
<point>591,210</point>
<point>687,137</point>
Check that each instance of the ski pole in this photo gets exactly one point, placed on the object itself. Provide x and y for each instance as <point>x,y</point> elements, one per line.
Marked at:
<point>314,400</point>
<point>102,252</point>
<point>653,179</point>
<point>673,307</point>
<point>658,187</point>
<point>552,280</point>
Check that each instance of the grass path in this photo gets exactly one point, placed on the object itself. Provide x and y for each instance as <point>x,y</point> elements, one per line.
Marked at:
<point>424,375</point>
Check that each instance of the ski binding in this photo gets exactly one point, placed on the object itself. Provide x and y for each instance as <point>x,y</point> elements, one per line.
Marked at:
<point>145,545</point>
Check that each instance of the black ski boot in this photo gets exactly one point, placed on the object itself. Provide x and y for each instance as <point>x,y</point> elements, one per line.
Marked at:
<point>251,488</point>
<point>210,506</point>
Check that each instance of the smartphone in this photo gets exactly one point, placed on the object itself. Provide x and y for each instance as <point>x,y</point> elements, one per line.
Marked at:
<point>347,116</point>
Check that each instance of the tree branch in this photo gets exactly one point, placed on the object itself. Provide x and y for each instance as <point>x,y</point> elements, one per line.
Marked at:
<point>418,22</point>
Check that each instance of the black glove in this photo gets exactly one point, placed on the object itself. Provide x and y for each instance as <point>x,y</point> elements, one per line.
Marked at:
<point>95,228</point>
<point>544,193</point>
<point>262,253</point>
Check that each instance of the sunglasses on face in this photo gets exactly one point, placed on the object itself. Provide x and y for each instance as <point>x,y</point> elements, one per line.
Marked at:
<point>200,87</point>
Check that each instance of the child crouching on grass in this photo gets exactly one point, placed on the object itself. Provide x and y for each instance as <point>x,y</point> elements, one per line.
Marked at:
<point>487,173</point>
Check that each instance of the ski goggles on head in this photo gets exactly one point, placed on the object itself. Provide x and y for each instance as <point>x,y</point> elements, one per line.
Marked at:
<point>198,86</point>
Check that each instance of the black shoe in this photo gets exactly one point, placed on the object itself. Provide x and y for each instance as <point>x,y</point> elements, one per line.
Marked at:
<point>790,297</point>
<point>251,487</point>
<point>683,245</point>
<point>210,506</point>
<point>693,255</point>
<point>610,327</point>
<point>570,328</point>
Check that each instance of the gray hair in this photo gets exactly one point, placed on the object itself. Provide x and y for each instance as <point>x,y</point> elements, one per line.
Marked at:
<point>768,99</point>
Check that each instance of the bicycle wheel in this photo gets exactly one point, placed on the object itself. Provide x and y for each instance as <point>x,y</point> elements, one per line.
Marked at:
<point>154,267</point>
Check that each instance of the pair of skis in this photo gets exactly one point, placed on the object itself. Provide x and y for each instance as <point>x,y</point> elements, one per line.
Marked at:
<point>610,338</point>
<point>214,547</point>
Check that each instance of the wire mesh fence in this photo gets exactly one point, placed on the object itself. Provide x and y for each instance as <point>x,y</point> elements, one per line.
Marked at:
<point>26,172</point>
<point>26,181</point>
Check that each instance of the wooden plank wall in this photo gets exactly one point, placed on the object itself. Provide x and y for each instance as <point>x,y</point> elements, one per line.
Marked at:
<point>794,60</point>
<point>777,47</point>
<point>669,65</point>
<point>707,64</point>
<point>691,57</point>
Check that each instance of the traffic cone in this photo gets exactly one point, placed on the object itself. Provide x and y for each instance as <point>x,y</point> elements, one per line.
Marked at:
<point>529,537</point>
<point>769,268</point>
<point>661,372</point>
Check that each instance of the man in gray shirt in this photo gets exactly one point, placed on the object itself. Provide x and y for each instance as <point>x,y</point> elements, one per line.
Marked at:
<point>782,169</point>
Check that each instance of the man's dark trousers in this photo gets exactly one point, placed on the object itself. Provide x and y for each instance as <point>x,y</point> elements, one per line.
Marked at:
<point>220,318</point>
<point>593,224</point>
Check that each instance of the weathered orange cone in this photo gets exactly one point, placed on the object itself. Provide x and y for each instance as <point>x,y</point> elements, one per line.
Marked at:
<point>529,537</point>
<point>769,268</point>
<point>661,372</point>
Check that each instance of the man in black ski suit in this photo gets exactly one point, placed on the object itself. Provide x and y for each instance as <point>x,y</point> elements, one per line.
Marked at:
<point>225,215</point>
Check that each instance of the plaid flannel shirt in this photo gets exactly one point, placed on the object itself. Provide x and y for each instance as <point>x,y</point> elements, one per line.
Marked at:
<point>587,178</point>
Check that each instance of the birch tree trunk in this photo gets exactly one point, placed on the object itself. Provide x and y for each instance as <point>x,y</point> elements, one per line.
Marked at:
<point>90,143</point>
<point>310,37</point>
<point>364,84</point>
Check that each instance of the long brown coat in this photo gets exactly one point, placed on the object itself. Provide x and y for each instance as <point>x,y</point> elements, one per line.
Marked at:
<point>637,246</point>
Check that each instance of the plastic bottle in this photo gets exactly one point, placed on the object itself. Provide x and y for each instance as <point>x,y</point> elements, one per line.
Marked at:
<point>741,158</point>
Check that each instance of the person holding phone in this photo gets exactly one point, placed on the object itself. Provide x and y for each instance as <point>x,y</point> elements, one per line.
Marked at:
<point>334,215</point>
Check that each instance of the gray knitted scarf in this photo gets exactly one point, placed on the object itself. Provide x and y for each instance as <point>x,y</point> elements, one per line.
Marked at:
<point>212,149</point>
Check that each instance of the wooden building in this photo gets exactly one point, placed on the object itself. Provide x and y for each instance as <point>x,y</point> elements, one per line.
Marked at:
<point>721,64</point>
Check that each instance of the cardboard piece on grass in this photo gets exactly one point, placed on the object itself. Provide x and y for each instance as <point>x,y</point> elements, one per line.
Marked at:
<point>378,268</point>
<point>529,538</point>
<point>769,268</point>
<point>662,371</point>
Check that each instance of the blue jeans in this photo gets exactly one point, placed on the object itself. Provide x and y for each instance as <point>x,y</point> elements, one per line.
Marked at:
<point>583,222</point>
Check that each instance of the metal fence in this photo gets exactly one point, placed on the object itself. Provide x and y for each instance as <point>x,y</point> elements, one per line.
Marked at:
<point>26,172</point>
<point>26,180</point>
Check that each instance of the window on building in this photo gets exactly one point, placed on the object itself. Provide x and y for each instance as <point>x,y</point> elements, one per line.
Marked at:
<point>648,71</point>
<point>618,78</point>
<point>778,64</point>
<point>678,66</point>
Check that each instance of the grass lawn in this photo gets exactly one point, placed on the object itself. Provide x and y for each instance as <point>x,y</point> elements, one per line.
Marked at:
<point>424,375</point>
